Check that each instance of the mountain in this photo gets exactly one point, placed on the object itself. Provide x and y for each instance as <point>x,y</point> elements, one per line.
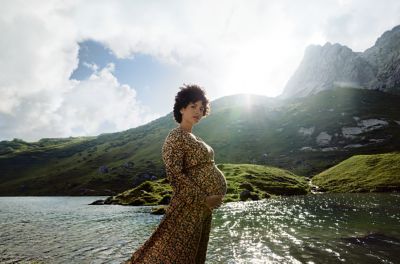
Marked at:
<point>334,65</point>
<point>303,135</point>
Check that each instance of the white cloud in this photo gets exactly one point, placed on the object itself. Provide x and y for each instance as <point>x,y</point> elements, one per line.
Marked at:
<point>101,104</point>
<point>226,46</point>
<point>38,53</point>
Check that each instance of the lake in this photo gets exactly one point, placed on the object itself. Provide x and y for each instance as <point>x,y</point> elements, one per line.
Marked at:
<point>323,228</point>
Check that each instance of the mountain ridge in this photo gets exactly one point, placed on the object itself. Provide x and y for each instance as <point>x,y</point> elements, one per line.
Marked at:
<point>335,65</point>
<point>302,135</point>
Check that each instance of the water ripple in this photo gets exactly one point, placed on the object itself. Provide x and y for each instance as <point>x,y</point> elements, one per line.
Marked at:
<point>329,228</point>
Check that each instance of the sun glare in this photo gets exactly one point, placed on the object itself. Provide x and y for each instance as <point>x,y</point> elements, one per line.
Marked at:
<point>258,67</point>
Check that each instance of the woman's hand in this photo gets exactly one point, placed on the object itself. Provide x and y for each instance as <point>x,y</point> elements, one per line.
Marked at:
<point>214,201</point>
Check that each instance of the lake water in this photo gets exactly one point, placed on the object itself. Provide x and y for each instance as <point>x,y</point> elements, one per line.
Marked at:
<point>325,228</point>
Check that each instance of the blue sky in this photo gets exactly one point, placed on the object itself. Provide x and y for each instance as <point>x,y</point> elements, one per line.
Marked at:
<point>147,75</point>
<point>82,68</point>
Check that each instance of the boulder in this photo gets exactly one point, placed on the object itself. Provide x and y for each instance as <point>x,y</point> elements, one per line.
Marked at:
<point>165,200</point>
<point>103,169</point>
<point>97,202</point>
<point>158,210</point>
<point>244,195</point>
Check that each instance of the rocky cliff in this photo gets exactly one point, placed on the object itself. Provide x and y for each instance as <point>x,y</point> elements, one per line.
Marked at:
<point>334,65</point>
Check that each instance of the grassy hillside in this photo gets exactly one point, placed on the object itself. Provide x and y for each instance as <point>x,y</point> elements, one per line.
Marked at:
<point>261,182</point>
<point>270,132</point>
<point>289,134</point>
<point>362,173</point>
<point>102,165</point>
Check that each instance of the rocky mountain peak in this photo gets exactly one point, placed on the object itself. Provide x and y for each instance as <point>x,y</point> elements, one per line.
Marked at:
<point>335,65</point>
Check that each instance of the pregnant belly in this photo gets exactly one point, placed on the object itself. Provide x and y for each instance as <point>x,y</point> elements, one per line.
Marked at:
<point>210,179</point>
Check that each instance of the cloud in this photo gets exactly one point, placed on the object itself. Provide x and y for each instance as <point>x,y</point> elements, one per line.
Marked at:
<point>97,105</point>
<point>358,23</point>
<point>38,53</point>
<point>226,46</point>
<point>101,104</point>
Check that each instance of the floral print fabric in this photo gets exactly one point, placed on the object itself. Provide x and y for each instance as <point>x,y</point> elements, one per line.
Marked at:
<point>183,233</point>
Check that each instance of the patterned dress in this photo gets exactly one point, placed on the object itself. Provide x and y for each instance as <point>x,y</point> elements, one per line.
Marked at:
<point>183,233</point>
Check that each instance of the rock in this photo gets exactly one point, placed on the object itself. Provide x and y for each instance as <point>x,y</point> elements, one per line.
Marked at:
<point>153,177</point>
<point>97,202</point>
<point>247,186</point>
<point>307,149</point>
<point>351,132</point>
<point>372,124</point>
<point>103,169</point>
<point>323,139</point>
<point>333,65</point>
<point>377,140</point>
<point>326,67</point>
<point>244,195</point>
<point>384,56</point>
<point>254,197</point>
<point>329,149</point>
<point>158,210</point>
<point>165,200</point>
<point>266,195</point>
<point>306,131</point>
<point>365,125</point>
<point>353,146</point>
<point>108,200</point>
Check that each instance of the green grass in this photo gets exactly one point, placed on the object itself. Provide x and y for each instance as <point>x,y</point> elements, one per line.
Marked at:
<point>362,173</point>
<point>262,181</point>
<point>241,129</point>
<point>147,193</point>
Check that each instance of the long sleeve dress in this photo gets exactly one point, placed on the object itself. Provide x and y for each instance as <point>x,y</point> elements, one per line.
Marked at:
<point>183,233</point>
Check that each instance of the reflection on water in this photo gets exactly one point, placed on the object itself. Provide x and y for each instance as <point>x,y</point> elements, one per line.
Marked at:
<point>327,228</point>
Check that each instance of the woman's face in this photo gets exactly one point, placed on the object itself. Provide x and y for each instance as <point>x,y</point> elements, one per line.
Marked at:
<point>193,112</point>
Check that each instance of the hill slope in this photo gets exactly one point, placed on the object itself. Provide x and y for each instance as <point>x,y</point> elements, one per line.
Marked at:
<point>362,173</point>
<point>303,135</point>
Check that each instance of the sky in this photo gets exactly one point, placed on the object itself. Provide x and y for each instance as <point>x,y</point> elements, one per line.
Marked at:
<point>83,68</point>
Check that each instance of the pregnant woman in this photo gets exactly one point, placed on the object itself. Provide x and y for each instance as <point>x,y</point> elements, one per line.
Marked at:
<point>198,188</point>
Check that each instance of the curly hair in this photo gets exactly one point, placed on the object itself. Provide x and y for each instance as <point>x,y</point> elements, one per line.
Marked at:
<point>190,94</point>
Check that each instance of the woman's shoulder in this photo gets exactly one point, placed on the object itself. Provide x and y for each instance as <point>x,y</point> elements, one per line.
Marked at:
<point>175,134</point>
<point>175,139</point>
<point>176,131</point>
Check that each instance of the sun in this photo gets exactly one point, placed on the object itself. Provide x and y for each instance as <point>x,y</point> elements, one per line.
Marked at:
<point>259,66</point>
